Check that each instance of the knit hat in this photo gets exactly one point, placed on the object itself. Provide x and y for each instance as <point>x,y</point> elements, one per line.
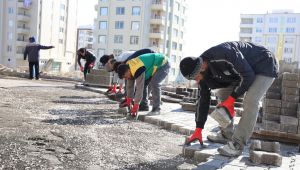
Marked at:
<point>190,66</point>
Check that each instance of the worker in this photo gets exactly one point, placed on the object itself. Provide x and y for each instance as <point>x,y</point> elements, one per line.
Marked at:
<point>236,67</point>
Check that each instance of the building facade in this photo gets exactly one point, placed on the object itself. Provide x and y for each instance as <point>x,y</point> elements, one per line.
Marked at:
<point>279,31</point>
<point>123,25</point>
<point>51,22</point>
<point>85,37</point>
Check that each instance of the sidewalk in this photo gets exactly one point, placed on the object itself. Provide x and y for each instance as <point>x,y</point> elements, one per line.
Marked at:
<point>173,118</point>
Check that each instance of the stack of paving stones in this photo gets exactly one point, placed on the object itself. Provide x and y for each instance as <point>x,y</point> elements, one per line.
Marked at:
<point>98,77</point>
<point>281,105</point>
<point>262,152</point>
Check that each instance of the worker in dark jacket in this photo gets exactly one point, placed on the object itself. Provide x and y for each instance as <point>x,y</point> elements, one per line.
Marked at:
<point>33,51</point>
<point>234,68</point>
<point>89,61</point>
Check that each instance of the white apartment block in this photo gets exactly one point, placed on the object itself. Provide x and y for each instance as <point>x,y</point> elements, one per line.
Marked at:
<point>51,22</point>
<point>279,31</point>
<point>85,37</point>
<point>123,25</point>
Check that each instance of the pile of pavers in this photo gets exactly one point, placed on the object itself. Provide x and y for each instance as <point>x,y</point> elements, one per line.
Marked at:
<point>98,77</point>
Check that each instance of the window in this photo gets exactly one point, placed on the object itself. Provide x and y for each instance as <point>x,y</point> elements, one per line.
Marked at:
<point>273,30</point>
<point>175,32</point>
<point>289,40</point>
<point>174,46</point>
<point>100,52</point>
<point>259,30</point>
<point>10,10</point>
<point>61,29</point>
<point>117,52</point>
<point>118,39</point>
<point>181,34</point>
<point>258,39</point>
<point>177,6</point>
<point>288,50</point>
<point>62,18</point>
<point>9,48</point>
<point>10,23</point>
<point>176,18</point>
<point>173,59</point>
<point>120,11</point>
<point>119,25</point>
<point>135,25</point>
<point>167,44</point>
<point>103,11</point>
<point>102,25</point>
<point>291,20</point>
<point>134,40</point>
<point>288,60</point>
<point>136,10</point>
<point>170,16</point>
<point>169,30</point>
<point>259,20</point>
<point>63,7</point>
<point>273,20</point>
<point>290,30</point>
<point>61,41</point>
<point>180,47</point>
<point>272,40</point>
<point>173,71</point>
<point>102,39</point>
<point>183,10</point>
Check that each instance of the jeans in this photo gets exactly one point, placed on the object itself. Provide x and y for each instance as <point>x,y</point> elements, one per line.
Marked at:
<point>243,131</point>
<point>36,70</point>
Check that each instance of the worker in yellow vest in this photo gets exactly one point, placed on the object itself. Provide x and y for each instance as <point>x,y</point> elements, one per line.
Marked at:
<point>153,67</point>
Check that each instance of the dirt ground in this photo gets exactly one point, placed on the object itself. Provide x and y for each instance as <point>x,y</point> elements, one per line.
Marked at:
<point>52,125</point>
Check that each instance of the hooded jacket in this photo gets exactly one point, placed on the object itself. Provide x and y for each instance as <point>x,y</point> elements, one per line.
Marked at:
<point>33,51</point>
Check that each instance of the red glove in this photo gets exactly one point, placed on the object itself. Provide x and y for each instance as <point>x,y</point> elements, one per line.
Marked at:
<point>127,102</point>
<point>110,88</point>
<point>91,65</point>
<point>114,89</point>
<point>197,135</point>
<point>81,68</point>
<point>229,105</point>
<point>134,110</point>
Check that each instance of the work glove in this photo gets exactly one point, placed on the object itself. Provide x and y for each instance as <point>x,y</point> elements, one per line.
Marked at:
<point>197,135</point>
<point>109,89</point>
<point>134,110</point>
<point>91,65</point>
<point>114,89</point>
<point>229,105</point>
<point>81,68</point>
<point>127,102</point>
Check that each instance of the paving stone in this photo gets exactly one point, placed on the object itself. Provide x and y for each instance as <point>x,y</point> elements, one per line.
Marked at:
<point>180,90</point>
<point>271,117</point>
<point>273,95</point>
<point>275,88</point>
<point>290,98</point>
<point>289,128</point>
<point>122,111</point>
<point>288,112</point>
<point>290,91</point>
<point>289,105</point>
<point>272,110</point>
<point>272,103</point>
<point>176,127</point>
<point>189,151</point>
<point>261,157</point>
<point>288,120</point>
<point>189,106</point>
<point>290,76</point>
<point>270,125</point>
<point>259,145</point>
<point>211,164</point>
<point>292,84</point>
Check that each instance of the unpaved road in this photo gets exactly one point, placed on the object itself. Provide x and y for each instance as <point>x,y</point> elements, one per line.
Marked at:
<point>52,125</point>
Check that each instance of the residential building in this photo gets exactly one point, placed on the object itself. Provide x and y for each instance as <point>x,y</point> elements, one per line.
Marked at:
<point>123,25</point>
<point>279,31</point>
<point>51,22</point>
<point>84,39</point>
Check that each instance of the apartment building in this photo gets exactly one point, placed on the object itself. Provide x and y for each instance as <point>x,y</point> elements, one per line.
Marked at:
<point>85,37</point>
<point>51,22</point>
<point>123,25</point>
<point>279,31</point>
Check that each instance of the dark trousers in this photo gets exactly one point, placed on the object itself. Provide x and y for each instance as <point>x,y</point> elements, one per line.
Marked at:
<point>36,70</point>
<point>86,70</point>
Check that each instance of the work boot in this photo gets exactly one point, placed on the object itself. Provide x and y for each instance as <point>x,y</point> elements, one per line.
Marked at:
<point>232,149</point>
<point>154,111</point>
<point>218,137</point>
<point>143,107</point>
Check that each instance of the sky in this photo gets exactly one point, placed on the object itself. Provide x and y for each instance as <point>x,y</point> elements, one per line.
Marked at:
<point>209,22</point>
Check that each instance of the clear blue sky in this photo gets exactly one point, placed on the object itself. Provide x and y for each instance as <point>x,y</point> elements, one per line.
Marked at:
<point>209,22</point>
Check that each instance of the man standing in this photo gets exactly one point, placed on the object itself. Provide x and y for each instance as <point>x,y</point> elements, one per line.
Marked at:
<point>237,68</point>
<point>153,67</point>
<point>33,51</point>
<point>89,61</point>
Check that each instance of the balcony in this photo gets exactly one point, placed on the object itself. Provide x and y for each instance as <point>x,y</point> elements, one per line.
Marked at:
<point>23,5</point>
<point>157,20</point>
<point>23,30</point>
<point>156,34</point>
<point>23,17</point>
<point>159,5</point>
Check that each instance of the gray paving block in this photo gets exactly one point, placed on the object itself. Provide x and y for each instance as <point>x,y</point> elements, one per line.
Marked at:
<point>270,125</point>
<point>288,112</point>
<point>258,145</point>
<point>292,84</point>
<point>290,98</point>
<point>275,88</point>
<point>272,110</point>
<point>288,120</point>
<point>122,110</point>
<point>271,103</point>
<point>289,105</point>
<point>290,91</point>
<point>175,127</point>
<point>289,128</point>
<point>261,157</point>
<point>273,95</point>
<point>188,106</point>
<point>290,76</point>
<point>188,151</point>
<point>271,117</point>
<point>181,90</point>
